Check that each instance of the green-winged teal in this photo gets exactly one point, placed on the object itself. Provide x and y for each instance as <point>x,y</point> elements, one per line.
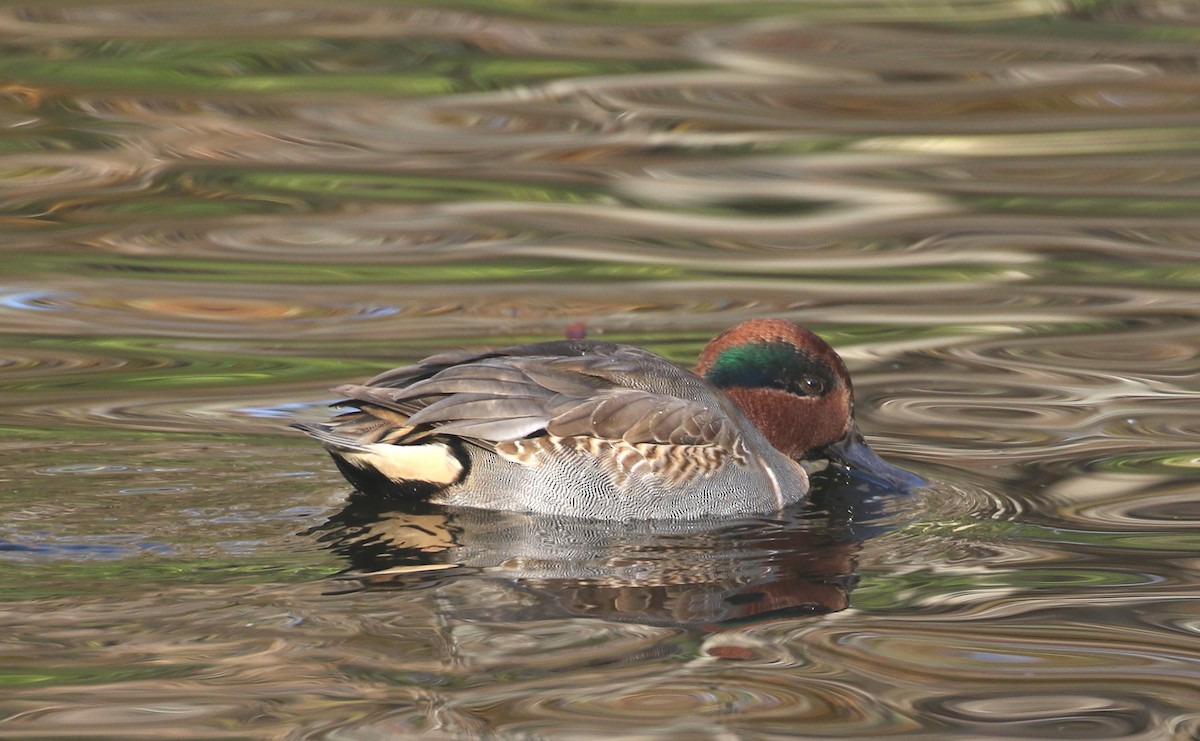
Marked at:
<point>602,430</point>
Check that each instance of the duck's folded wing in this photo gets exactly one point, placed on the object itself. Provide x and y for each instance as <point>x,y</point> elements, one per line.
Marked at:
<point>499,399</point>
<point>542,352</point>
<point>488,400</point>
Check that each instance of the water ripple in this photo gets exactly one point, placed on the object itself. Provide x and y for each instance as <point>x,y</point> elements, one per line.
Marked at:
<point>213,216</point>
<point>704,701</point>
<point>46,184</point>
<point>388,235</point>
<point>1079,715</point>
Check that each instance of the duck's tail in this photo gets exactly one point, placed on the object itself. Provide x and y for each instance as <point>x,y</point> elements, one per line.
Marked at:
<point>381,469</point>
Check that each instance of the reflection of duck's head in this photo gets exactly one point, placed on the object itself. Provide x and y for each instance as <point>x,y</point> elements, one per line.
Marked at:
<point>607,431</point>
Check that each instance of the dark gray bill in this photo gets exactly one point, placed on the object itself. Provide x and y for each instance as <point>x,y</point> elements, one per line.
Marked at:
<point>853,452</point>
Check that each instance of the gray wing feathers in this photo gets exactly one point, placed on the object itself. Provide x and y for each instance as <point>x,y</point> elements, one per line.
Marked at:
<point>494,398</point>
<point>542,351</point>
<point>324,435</point>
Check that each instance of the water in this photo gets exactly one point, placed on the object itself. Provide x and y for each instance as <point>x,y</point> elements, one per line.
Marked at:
<point>212,213</point>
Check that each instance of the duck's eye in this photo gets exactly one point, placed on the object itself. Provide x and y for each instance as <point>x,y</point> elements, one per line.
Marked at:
<point>812,385</point>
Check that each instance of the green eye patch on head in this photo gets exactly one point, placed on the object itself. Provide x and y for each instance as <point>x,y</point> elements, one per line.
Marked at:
<point>771,365</point>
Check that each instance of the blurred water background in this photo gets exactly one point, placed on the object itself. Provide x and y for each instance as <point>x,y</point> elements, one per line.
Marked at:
<point>213,211</point>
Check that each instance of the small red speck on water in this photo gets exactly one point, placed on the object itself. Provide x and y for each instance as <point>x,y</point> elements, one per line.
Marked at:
<point>731,652</point>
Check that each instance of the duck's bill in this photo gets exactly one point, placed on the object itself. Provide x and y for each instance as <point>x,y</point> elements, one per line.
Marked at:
<point>853,452</point>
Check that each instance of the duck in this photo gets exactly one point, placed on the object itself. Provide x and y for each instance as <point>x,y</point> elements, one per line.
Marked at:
<point>601,430</point>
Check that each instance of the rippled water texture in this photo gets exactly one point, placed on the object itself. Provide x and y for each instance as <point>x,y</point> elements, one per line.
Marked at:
<point>212,212</point>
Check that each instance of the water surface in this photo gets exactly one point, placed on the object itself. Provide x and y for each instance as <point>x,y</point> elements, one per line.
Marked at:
<point>214,212</point>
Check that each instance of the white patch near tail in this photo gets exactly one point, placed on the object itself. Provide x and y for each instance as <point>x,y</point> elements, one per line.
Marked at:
<point>432,462</point>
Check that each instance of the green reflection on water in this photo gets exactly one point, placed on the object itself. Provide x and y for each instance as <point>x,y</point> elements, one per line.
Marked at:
<point>129,75</point>
<point>183,207</point>
<point>411,188</point>
<point>1085,26</point>
<point>145,361</point>
<point>133,574</point>
<point>1122,273</point>
<point>1144,463</point>
<point>619,11</point>
<point>1114,206</point>
<point>69,675</point>
<point>414,66</point>
<point>886,591</point>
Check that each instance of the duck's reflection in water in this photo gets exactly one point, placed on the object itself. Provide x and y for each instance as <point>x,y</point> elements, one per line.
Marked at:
<point>798,562</point>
